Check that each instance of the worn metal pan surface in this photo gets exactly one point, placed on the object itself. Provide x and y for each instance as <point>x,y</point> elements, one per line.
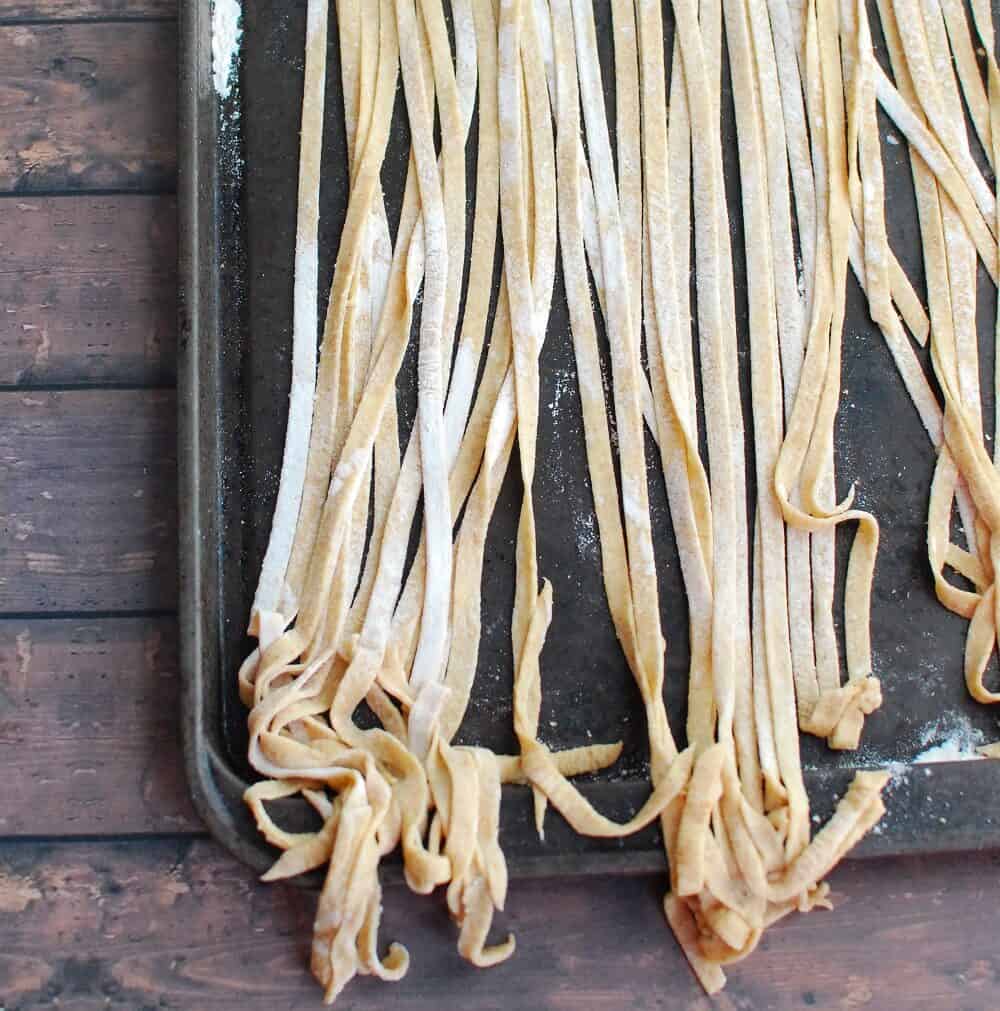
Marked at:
<point>238,189</point>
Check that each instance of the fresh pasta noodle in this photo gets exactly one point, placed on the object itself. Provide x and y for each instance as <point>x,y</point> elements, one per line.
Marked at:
<point>266,620</point>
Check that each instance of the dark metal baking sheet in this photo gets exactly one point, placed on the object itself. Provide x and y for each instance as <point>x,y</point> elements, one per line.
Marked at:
<point>238,187</point>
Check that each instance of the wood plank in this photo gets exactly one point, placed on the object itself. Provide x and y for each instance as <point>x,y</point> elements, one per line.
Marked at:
<point>88,106</point>
<point>88,287</point>
<point>89,728</point>
<point>87,501</point>
<point>179,924</point>
<point>69,10</point>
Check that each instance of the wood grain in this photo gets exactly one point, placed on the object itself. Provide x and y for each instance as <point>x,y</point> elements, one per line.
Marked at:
<point>69,10</point>
<point>179,924</point>
<point>88,287</point>
<point>89,728</point>
<point>87,501</point>
<point>86,106</point>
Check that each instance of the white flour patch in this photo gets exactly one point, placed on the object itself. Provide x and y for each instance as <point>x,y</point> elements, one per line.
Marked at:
<point>226,35</point>
<point>949,738</point>
<point>898,772</point>
<point>951,750</point>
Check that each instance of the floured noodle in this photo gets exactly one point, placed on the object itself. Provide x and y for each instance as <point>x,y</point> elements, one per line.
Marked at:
<point>773,690</point>
<point>266,620</point>
<point>791,315</point>
<point>669,352</point>
<point>522,89</point>
<point>983,19</point>
<point>733,619</point>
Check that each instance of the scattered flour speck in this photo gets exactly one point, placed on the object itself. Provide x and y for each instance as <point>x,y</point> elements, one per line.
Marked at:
<point>563,381</point>
<point>586,536</point>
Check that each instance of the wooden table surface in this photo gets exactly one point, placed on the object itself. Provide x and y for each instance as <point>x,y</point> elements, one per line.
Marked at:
<point>111,895</point>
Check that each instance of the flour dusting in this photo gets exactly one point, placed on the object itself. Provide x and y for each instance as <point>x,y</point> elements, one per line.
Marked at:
<point>949,739</point>
<point>898,774</point>
<point>226,35</point>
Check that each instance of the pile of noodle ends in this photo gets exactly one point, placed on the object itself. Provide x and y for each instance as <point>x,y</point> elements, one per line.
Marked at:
<point>625,204</point>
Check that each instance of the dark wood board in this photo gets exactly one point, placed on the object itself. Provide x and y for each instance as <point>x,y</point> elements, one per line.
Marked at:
<point>238,212</point>
<point>80,10</point>
<point>88,500</point>
<point>88,288</point>
<point>180,925</point>
<point>76,113</point>
<point>89,728</point>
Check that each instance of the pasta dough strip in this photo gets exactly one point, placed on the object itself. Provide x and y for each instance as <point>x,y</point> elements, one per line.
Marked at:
<point>343,487</point>
<point>538,765</point>
<point>322,434</point>
<point>920,61</point>
<point>679,159</point>
<point>714,385</point>
<point>622,335</point>
<point>673,388</point>
<point>735,703</point>
<point>359,31</point>
<point>429,660</point>
<point>465,451</point>
<point>254,683</point>
<point>405,623</point>
<point>790,307</point>
<point>945,484</point>
<point>598,444</point>
<point>630,177</point>
<point>961,257</point>
<point>821,483</point>
<point>908,303</point>
<point>266,619</point>
<point>961,434</point>
<point>804,452</point>
<point>978,220</point>
<point>961,254</point>
<point>967,67</point>
<point>404,500</point>
<point>522,89</point>
<point>982,16</point>
<point>946,475</point>
<point>767,422</point>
